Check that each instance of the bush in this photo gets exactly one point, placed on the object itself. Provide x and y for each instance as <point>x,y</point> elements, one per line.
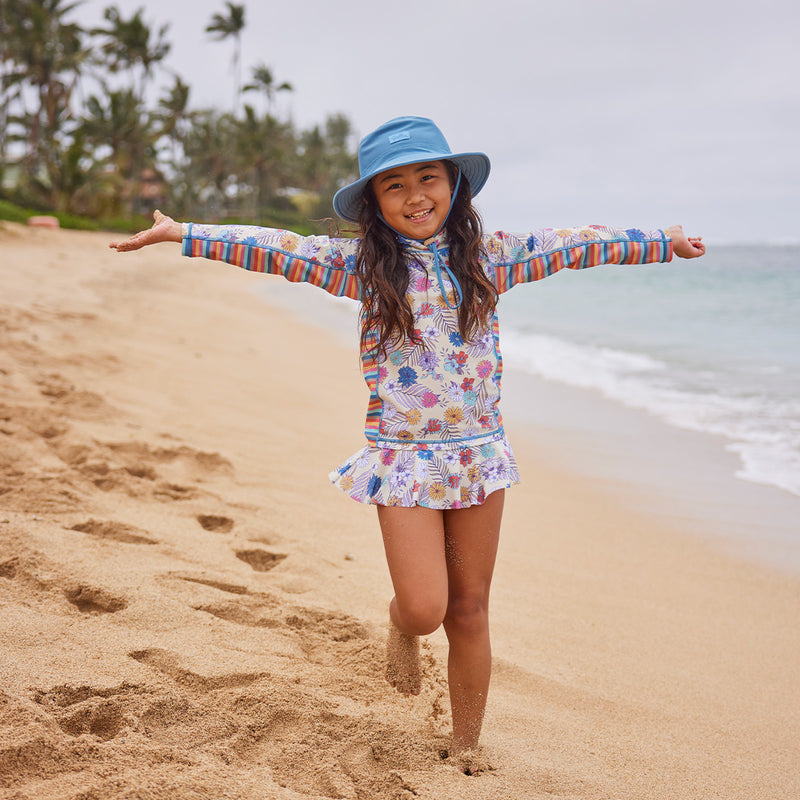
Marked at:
<point>13,213</point>
<point>77,223</point>
<point>276,219</point>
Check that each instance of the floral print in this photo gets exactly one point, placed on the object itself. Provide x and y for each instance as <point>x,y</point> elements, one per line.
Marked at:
<point>434,429</point>
<point>435,476</point>
<point>435,388</point>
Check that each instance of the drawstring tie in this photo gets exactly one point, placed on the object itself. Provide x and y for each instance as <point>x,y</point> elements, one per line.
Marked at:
<point>438,263</point>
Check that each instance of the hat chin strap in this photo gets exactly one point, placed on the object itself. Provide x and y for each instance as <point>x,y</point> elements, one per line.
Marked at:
<point>438,260</point>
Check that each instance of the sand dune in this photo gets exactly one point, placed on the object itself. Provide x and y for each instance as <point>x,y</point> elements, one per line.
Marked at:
<point>189,610</point>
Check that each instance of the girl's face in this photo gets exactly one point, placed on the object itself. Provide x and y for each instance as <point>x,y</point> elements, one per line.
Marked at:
<point>414,199</point>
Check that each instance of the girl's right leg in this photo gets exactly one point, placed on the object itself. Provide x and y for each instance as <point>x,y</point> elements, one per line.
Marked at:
<point>471,538</point>
<point>415,552</point>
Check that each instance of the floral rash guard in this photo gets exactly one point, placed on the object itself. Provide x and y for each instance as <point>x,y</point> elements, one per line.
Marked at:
<point>434,431</point>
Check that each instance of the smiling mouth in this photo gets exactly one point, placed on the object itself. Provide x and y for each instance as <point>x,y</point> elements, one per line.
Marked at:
<point>419,214</point>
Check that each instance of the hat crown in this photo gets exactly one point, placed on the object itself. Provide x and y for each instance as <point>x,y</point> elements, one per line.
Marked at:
<point>400,141</point>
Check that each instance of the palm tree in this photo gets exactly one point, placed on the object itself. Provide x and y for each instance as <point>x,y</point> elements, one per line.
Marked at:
<point>119,123</point>
<point>79,184</point>
<point>129,44</point>
<point>172,113</point>
<point>43,52</point>
<point>265,83</point>
<point>8,93</point>
<point>223,26</point>
<point>325,160</point>
<point>263,149</point>
<point>207,177</point>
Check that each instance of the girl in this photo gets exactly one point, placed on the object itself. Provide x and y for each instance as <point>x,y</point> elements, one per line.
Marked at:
<point>437,462</point>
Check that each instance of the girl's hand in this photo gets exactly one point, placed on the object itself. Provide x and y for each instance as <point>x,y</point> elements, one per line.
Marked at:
<point>685,246</point>
<point>164,229</point>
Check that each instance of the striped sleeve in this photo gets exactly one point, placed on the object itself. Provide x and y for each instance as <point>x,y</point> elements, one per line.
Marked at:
<point>319,260</point>
<point>513,258</point>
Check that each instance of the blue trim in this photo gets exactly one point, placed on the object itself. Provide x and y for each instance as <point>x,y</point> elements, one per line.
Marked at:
<point>186,241</point>
<point>497,433</point>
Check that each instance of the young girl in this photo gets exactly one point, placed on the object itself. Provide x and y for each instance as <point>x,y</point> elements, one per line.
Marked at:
<point>437,462</point>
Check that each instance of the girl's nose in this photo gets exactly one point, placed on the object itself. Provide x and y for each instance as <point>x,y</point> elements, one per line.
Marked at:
<point>415,194</point>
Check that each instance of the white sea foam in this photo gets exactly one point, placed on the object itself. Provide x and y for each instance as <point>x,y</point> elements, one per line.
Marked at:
<point>762,430</point>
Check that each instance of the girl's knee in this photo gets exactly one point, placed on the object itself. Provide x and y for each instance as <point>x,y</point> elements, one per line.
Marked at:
<point>420,618</point>
<point>467,615</point>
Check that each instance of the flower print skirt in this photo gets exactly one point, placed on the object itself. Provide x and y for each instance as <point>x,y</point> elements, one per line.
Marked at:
<point>436,475</point>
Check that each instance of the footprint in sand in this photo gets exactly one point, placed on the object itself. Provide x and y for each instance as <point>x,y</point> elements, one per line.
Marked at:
<point>114,531</point>
<point>190,463</point>
<point>9,567</point>
<point>93,600</point>
<point>240,615</point>
<point>108,712</point>
<point>102,718</point>
<point>214,523</point>
<point>260,560</point>
<point>169,664</point>
<point>78,403</point>
<point>142,471</point>
<point>137,468</point>
<point>338,627</point>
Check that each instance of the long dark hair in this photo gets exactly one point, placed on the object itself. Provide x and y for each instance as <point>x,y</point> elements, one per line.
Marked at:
<point>381,267</point>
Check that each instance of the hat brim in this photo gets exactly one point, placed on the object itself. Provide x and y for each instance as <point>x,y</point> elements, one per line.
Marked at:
<point>475,167</point>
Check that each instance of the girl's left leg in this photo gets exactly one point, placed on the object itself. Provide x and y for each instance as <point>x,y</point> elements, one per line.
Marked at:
<point>415,552</point>
<point>471,538</point>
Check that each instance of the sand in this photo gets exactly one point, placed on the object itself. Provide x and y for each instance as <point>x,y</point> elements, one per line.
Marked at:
<point>188,609</point>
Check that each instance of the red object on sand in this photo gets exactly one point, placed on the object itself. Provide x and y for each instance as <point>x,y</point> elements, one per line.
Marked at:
<point>44,222</point>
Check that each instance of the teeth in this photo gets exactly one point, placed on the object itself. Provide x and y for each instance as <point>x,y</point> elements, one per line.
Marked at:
<point>418,214</point>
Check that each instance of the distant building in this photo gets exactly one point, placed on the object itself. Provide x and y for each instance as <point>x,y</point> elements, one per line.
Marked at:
<point>151,191</point>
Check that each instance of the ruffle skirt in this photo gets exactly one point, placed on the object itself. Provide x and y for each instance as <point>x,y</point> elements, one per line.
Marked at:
<point>436,475</point>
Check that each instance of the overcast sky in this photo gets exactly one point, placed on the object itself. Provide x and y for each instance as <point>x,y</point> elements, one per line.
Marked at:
<point>621,112</point>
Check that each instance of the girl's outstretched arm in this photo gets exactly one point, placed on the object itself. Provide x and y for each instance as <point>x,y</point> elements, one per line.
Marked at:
<point>319,260</point>
<point>685,246</point>
<point>164,229</point>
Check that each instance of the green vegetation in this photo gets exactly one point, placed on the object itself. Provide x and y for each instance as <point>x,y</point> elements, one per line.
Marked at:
<point>81,142</point>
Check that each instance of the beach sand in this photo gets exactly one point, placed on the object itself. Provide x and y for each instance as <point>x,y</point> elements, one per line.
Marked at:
<point>188,609</point>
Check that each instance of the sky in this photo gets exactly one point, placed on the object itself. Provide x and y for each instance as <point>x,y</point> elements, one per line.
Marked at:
<point>623,112</point>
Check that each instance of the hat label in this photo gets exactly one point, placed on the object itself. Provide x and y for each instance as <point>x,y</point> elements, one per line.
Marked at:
<point>399,137</point>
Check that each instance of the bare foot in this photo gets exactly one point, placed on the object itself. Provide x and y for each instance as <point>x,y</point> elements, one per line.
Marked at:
<point>473,761</point>
<point>402,662</point>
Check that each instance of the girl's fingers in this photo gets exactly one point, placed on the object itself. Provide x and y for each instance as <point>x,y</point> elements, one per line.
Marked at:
<point>134,243</point>
<point>164,229</point>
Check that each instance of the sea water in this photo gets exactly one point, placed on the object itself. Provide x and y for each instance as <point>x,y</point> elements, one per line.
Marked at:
<point>709,345</point>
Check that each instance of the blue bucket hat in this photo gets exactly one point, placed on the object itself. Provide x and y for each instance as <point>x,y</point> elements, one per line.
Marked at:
<point>402,141</point>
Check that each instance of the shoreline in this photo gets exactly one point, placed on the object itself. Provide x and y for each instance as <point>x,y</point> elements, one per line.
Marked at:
<point>190,609</point>
<point>684,477</point>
